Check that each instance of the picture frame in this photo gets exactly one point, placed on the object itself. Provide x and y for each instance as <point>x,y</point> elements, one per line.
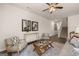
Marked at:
<point>29,25</point>
<point>26,25</point>
<point>34,26</point>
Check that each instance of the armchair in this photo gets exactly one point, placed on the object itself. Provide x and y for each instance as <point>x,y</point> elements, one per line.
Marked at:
<point>14,44</point>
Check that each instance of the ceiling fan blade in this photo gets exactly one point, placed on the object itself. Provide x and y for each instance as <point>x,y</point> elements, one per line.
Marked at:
<point>50,12</point>
<point>56,3</point>
<point>58,7</point>
<point>45,9</point>
<point>48,4</point>
<point>52,3</point>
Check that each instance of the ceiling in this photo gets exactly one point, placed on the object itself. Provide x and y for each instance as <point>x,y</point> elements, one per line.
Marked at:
<point>68,9</point>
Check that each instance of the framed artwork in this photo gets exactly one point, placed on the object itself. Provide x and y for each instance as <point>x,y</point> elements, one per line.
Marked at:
<point>34,26</point>
<point>29,25</point>
<point>25,25</point>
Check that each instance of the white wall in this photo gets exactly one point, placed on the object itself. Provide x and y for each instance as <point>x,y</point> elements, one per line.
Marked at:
<point>73,22</point>
<point>11,23</point>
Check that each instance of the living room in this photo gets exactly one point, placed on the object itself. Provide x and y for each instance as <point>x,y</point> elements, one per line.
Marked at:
<point>15,16</point>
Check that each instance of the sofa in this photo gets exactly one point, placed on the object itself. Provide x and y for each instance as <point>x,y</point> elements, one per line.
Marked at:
<point>74,41</point>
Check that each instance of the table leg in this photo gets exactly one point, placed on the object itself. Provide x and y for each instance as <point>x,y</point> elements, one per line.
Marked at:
<point>51,45</point>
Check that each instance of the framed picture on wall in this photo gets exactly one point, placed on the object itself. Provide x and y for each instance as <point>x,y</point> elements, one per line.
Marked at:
<point>29,25</point>
<point>34,26</point>
<point>25,25</point>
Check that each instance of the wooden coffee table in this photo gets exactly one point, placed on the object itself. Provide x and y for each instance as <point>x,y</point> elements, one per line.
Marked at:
<point>42,46</point>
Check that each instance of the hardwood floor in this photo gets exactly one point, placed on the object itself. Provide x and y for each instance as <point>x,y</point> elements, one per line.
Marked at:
<point>56,39</point>
<point>63,36</point>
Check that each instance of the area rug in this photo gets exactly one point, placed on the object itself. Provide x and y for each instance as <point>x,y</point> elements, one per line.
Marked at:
<point>28,51</point>
<point>58,50</point>
<point>68,50</point>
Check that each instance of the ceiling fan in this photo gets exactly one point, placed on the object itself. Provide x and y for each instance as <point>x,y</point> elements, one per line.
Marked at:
<point>53,6</point>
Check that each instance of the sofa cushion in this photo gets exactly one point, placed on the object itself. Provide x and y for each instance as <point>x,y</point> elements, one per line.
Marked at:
<point>75,42</point>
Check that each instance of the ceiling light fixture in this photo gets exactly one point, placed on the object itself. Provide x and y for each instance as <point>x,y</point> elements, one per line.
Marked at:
<point>52,9</point>
<point>53,6</point>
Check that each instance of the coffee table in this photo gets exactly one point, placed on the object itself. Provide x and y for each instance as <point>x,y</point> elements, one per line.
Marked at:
<point>42,46</point>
